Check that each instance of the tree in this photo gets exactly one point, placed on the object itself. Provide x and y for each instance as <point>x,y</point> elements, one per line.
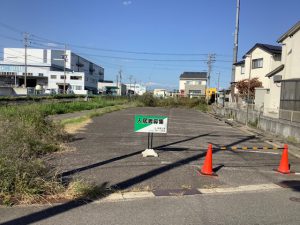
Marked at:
<point>243,86</point>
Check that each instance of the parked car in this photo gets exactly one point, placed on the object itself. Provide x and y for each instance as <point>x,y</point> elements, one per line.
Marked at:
<point>50,92</point>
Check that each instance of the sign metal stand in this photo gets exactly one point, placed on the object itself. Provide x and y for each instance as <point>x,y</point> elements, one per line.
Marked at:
<point>150,125</point>
<point>150,140</point>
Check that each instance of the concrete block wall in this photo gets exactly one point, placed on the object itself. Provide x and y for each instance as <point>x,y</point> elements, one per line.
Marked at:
<point>276,126</point>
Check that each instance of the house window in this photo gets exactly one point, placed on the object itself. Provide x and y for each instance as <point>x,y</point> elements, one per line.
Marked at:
<point>41,74</point>
<point>62,77</point>
<point>53,77</point>
<point>242,69</point>
<point>76,87</point>
<point>28,74</point>
<point>257,63</point>
<point>76,77</point>
<point>277,57</point>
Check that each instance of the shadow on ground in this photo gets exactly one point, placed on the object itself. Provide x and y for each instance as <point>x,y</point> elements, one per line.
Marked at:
<point>58,209</point>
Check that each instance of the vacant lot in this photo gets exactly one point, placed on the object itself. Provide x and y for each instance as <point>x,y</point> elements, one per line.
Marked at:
<point>108,152</point>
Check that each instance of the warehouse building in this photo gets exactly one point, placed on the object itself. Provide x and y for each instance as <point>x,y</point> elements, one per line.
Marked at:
<point>45,68</point>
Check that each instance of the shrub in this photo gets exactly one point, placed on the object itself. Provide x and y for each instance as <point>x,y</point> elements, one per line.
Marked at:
<point>148,100</point>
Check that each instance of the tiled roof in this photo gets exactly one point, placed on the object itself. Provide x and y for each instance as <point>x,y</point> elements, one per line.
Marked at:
<point>193,75</point>
<point>239,63</point>
<point>290,32</point>
<point>272,49</point>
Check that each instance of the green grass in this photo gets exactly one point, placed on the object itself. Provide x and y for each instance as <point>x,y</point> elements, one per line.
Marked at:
<point>292,140</point>
<point>97,112</point>
<point>27,135</point>
<point>38,98</point>
<point>197,103</point>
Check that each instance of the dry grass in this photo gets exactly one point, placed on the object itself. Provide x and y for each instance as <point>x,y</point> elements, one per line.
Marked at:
<point>73,128</point>
<point>184,186</point>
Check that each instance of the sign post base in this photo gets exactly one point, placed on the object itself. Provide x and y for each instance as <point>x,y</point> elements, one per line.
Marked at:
<point>149,152</point>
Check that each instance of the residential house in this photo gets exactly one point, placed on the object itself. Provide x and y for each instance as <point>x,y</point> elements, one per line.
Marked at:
<point>192,84</point>
<point>285,78</point>
<point>256,63</point>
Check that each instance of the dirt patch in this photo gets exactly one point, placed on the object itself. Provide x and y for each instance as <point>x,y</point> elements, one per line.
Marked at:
<point>73,128</point>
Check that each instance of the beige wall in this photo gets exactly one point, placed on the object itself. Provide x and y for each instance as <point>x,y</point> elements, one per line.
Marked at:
<point>239,76</point>
<point>272,99</point>
<point>182,83</point>
<point>291,57</point>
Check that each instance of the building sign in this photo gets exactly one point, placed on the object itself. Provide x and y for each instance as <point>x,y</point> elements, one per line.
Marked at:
<point>6,68</point>
<point>150,124</point>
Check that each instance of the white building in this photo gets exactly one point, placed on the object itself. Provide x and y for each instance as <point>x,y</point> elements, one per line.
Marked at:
<point>285,78</point>
<point>192,84</point>
<point>160,93</point>
<point>137,89</point>
<point>111,88</point>
<point>45,67</point>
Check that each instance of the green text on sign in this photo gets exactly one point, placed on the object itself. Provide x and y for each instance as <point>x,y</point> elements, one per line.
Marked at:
<point>150,124</point>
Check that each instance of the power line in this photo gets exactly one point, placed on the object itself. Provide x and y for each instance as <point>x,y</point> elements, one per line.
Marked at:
<point>151,60</point>
<point>11,28</point>
<point>41,40</point>
<point>10,38</point>
<point>48,41</point>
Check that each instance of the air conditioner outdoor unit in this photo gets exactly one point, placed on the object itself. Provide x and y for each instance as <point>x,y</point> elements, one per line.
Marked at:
<point>277,78</point>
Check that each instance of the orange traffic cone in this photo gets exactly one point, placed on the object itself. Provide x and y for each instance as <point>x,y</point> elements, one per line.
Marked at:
<point>207,166</point>
<point>284,166</point>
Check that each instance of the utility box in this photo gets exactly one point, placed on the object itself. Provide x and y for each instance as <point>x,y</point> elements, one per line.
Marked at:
<point>277,78</point>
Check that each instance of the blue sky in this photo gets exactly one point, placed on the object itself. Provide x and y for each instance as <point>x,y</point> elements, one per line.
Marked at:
<point>150,26</point>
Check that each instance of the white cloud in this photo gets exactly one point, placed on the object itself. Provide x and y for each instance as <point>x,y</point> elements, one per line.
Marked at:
<point>152,83</point>
<point>49,44</point>
<point>126,3</point>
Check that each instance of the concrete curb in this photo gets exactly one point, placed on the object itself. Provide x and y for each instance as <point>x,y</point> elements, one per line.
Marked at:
<point>202,191</point>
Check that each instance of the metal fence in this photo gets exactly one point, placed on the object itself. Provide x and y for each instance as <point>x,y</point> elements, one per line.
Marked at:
<point>290,95</point>
<point>293,116</point>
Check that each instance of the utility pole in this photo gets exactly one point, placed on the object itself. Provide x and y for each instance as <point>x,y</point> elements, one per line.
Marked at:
<point>218,81</point>
<point>130,78</point>
<point>134,86</point>
<point>210,60</point>
<point>235,48</point>
<point>25,47</point>
<point>120,76</point>
<point>65,58</point>
<point>117,82</point>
